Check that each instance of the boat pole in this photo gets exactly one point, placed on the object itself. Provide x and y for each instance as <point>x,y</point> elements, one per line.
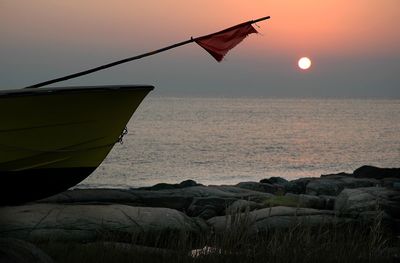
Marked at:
<point>112,64</point>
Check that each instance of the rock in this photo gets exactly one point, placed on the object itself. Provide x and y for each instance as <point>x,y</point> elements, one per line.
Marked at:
<point>159,186</point>
<point>19,251</point>
<point>179,198</point>
<point>338,175</point>
<point>310,201</point>
<point>298,186</point>
<point>88,222</point>
<point>195,191</point>
<point>272,218</point>
<point>390,182</point>
<point>144,198</point>
<point>352,202</point>
<point>165,186</point>
<point>316,202</point>
<point>376,172</point>
<point>294,200</point>
<point>260,187</point>
<point>274,180</point>
<point>350,182</point>
<point>207,207</point>
<point>241,193</point>
<point>99,195</point>
<point>333,186</point>
<point>329,201</point>
<point>241,205</point>
<point>324,187</point>
<point>188,183</point>
<point>288,200</point>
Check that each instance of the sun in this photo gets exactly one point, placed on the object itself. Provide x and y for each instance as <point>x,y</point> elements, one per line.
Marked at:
<point>304,63</point>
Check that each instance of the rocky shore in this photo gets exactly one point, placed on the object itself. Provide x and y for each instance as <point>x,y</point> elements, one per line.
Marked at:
<point>88,215</point>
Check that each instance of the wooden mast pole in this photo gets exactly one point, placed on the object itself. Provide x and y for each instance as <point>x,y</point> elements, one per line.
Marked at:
<point>112,64</point>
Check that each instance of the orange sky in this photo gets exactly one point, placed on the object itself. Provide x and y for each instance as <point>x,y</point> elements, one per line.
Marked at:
<point>42,37</point>
<point>296,26</point>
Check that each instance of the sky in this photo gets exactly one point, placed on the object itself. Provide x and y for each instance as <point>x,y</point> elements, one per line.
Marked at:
<point>354,46</point>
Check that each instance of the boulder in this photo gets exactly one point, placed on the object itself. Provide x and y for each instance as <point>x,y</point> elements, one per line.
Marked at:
<point>159,186</point>
<point>298,186</point>
<point>353,202</point>
<point>242,193</point>
<point>89,222</point>
<point>295,200</point>
<point>288,200</point>
<point>324,187</point>
<point>376,172</point>
<point>261,187</point>
<point>333,186</point>
<point>177,198</point>
<point>188,183</point>
<point>337,175</point>
<point>97,195</point>
<point>274,180</point>
<point>391,182</point>
<point>350,182</point>
<point>144,198</point>
<point>310,201</point>
<point>272,218</point>
<point>329,201</point>
<point>19,251</point>
<point>241,205</point>
<point>207,207</point>
<point>165,186</point>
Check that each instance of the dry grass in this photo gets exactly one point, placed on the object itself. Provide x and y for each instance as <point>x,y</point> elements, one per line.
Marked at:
<point>328,243</point>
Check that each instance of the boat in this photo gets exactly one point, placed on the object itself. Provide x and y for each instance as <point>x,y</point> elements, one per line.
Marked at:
<point>53,138</point>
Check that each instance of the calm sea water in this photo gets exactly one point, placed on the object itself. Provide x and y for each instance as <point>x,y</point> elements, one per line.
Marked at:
<point>225,141</point>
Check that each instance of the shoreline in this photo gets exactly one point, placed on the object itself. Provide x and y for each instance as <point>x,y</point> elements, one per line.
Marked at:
<point>92,215</point>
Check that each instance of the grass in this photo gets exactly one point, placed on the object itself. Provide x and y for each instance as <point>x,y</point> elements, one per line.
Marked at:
<point>328,243</point>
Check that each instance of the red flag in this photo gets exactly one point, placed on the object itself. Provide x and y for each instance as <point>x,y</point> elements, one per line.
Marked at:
<point>218,44</point>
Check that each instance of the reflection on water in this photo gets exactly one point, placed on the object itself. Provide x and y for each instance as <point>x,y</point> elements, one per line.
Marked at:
<point>224,141</point>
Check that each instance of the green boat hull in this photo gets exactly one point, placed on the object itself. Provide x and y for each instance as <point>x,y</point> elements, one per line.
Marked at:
<point>53,138</point>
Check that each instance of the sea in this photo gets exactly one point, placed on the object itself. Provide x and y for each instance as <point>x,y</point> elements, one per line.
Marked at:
<point>217,141</point>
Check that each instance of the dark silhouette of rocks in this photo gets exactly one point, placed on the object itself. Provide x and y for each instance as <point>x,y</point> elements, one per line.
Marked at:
<point>190,207</point>
<point>376,172</point>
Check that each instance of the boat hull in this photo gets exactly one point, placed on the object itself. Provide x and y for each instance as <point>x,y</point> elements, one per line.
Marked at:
<point>53,138</point>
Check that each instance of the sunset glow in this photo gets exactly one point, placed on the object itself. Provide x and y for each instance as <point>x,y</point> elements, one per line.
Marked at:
<point>350,28</point>
<point>355,42</point>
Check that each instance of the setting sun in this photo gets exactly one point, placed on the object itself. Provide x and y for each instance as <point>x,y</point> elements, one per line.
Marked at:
<point>304,63</point>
